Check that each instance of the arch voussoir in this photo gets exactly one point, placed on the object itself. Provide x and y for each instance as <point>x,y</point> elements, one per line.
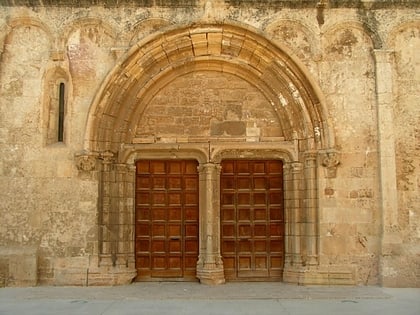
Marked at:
<point>157,60</point>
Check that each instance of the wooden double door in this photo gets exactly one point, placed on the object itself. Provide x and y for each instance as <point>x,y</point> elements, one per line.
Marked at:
<point>252,219</point>
<point>166,219</point>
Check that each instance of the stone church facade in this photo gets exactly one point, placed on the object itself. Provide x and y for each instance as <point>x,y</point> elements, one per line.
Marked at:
<point>209,140</point>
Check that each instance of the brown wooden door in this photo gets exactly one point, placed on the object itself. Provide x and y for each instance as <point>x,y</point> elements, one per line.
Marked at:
<point>166,219</point>
<point>252,226</point>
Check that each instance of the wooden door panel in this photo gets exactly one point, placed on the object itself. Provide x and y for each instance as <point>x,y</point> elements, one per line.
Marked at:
<point>252,227</point>
<point>261,263</point>
<point>175,213</point>
<point>191,230</point>
<point>175,246</point>
<point>260,246</point>
<point>157,167</point>
<point>191,213</point>
<point>166,219</point>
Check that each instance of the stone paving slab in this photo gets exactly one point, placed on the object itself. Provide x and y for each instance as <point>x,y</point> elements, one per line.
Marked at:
<point>193,298</point>
<point>192,290</point>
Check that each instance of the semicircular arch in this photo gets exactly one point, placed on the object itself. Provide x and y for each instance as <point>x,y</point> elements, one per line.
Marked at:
<point>81,23</point>
<point>400,28</point>
<point>373,35</point>
<point>157,60</point>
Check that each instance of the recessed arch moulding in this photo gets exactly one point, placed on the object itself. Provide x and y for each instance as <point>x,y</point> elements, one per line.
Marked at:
<point>153,63</point>
<point>149,67</point>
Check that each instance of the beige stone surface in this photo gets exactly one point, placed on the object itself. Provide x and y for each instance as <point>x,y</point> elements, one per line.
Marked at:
<point>337,101</point>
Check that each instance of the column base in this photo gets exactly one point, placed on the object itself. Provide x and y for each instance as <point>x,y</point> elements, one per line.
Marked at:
<point>211,272</point>
<point>319,276</point>
<point>110,272</point>
<point>211,277</point>
<point>110,276</point>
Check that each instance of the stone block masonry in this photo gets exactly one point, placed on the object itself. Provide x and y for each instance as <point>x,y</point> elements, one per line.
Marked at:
<point>330,88</point>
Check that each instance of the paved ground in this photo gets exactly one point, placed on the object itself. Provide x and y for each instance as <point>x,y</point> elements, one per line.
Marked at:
<point>193,298</point>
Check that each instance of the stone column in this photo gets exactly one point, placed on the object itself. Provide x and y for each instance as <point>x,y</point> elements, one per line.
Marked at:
<point>209,265</point>
<point>310,210</point>
<point>129,230</point>
<point>293,266</point>
<point>296,214</point>
<point>384,61</point>
<point>288,205</point>
<point>104,216</point>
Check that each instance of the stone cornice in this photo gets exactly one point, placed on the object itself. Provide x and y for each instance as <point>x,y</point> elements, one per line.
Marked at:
<point>279,4</point>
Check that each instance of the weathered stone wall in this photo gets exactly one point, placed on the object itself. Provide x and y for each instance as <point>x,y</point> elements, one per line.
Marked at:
<point>51,204</point>
<point>404,263</point>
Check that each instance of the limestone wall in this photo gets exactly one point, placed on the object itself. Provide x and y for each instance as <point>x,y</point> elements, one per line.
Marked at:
<point>368,213</point>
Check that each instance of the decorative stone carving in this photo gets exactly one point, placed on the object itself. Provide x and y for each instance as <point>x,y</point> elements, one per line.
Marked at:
<point>86,162</point>
<point>297,167</point>
<point>107,157</point>
<point>320,6</point>
<point>330,160</point>
<point>310,158</point>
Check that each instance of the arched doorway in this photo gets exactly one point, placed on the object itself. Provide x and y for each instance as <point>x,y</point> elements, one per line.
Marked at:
<point>254,102</point>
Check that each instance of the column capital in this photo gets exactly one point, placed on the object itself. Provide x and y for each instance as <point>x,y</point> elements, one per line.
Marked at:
<point>296,167</point>
<point>123,166</point>
<point>107,157</point>
<point>384,55</point>
<point>209,167</point>
<point>310,155</point>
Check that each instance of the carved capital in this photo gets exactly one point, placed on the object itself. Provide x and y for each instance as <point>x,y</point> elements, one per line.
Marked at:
<point>209,168</point>
<point>297,167</point>
<point>310,158</point>
<point>107,157</point>
<point>85,161</point>
<point>330,160</point>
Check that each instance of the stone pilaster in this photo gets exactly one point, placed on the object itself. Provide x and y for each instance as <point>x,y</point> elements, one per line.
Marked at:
<point>384,61</point>
<point>210,265</point>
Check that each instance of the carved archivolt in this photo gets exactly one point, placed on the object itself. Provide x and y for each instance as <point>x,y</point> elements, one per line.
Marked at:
<point>282,80</point>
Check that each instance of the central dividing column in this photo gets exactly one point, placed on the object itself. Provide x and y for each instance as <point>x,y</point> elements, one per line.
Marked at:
<point>210,265</point>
